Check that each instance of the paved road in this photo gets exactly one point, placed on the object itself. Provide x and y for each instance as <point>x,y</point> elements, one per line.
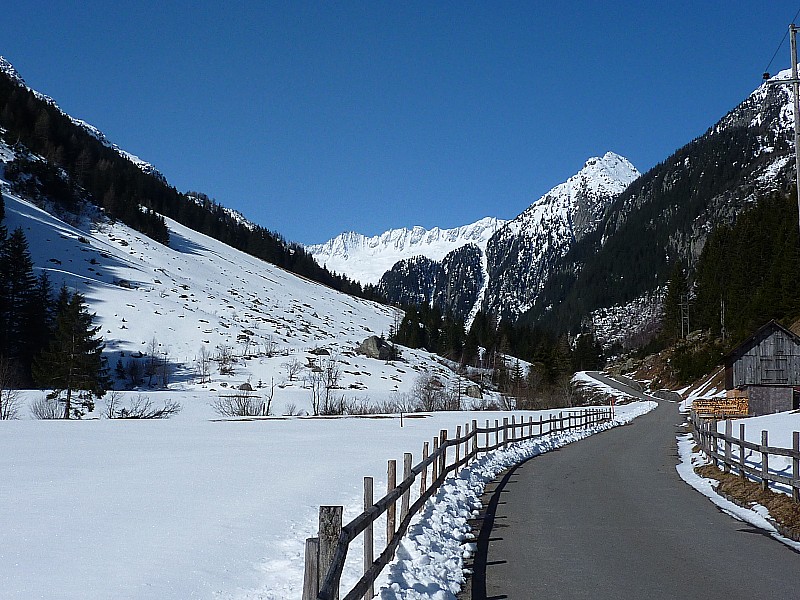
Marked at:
<point>608,517</point>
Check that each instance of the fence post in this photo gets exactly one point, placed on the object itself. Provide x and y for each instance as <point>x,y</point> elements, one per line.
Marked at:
<point>541,425</point>
<point>505,432</point>
<point>795,466</point>
<point>742,474</point>
<point>424,482</point>
<point>728,432</point>
<point>530,426</point>
<point>497,432</point>
<point>561,420</point>
<point>764,460</point>
<point>406,500</point>
<point>435,464</point>
<point>330,527</point>
<point>369,536</point>
<point>486,436</point>
<point>391,510</point>
<point>458,445</point>
<point>443,456</point>
<point>311,575</point>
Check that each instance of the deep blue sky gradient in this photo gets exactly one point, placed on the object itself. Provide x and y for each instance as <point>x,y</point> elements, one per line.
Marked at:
<point>316,118</point>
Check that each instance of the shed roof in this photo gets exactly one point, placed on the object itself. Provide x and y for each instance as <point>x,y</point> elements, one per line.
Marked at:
<point>763,332</point>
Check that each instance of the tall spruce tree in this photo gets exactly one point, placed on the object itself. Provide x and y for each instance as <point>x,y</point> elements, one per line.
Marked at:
<point>73,361</point>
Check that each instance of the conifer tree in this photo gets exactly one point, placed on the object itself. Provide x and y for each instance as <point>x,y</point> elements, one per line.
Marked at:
<point>73,361</point>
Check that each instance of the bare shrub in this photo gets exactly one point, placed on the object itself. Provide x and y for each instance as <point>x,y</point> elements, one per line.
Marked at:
<point>225,359</point>
<point>428,394</point>
<point>241,404</point>
<point>140,407</point>
<point>203,364</point>
<point>293,368</point>
<point>46,408</point>
<point>291,410</point>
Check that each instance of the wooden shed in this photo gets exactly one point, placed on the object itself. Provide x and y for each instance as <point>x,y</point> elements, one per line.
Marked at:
<point>766,368</point>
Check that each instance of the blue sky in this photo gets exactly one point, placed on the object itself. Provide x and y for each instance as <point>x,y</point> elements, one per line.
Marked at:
<point>322,117</point>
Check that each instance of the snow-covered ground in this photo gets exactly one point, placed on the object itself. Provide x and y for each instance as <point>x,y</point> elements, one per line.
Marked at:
<point>195,507</point>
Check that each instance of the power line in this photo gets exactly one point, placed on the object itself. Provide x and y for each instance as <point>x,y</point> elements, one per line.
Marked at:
<point>783,41</point>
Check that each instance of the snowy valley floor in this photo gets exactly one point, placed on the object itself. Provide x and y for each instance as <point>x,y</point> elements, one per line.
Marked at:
<point>197,507</point>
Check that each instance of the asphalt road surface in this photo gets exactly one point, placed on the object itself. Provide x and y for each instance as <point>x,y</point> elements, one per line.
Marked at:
<point>608,517</point>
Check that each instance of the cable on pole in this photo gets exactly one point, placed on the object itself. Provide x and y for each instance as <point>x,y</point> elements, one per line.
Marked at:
<point>778,49</point>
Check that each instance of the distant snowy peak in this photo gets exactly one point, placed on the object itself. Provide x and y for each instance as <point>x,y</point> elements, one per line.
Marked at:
<point>366,259</point>
<point>523,253</point>
<point>7,69</point>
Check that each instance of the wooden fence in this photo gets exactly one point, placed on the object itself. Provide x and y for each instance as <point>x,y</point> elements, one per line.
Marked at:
<point>719,447</point>
<point>325,555</point>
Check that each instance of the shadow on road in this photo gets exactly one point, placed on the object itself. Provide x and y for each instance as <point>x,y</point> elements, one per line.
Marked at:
<point>488,532</point>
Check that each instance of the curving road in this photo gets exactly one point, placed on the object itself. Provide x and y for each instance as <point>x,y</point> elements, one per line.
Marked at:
<point>608,517</point>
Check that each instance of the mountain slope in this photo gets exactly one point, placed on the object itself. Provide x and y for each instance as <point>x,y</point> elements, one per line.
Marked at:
<point>522,254</point>
<point>667,214</point>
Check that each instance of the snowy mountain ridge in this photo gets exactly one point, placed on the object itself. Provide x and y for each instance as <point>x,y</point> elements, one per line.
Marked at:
<point>8,69</point>
<point>366,259</point>
<point>523,253</point>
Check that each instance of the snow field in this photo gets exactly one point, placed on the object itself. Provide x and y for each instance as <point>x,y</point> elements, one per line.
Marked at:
<point>192,507</point>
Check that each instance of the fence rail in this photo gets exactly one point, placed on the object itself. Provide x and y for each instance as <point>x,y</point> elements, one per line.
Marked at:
<point>326,554</point>
<point>719,447</point>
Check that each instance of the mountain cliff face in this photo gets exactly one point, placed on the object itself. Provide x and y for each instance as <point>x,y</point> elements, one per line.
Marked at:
<point>523,253</point>
<point>666,215</point>
<point>453,285</point>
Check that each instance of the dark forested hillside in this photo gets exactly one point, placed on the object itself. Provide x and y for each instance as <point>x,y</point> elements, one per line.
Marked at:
<point>751,269</point>
<point>666,215</point>
<point>99,173</point>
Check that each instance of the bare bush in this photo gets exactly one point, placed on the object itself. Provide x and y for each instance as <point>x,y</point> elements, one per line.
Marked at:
<point>46,408</point>
<point>428,394</point>
<point>140,407</point>
<point>225,359</point>
<point>293,368</point>
<point>241,404</point>
<point>291,410</point>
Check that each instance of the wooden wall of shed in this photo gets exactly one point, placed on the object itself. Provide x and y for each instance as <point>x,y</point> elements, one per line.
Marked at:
<point>775,360</point>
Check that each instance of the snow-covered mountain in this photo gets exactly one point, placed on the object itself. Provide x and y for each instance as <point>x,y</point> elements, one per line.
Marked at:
<point>366,259</point>
<point>8,69</point>
<point>522,254</point>
<point>199,295</point>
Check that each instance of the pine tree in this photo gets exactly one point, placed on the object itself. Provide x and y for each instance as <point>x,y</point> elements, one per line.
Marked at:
<point>671,312</point>
<point>73,361</point>
<point>19,285</point>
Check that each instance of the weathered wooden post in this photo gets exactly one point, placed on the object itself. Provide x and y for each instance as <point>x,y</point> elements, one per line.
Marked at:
<point>391,510</point>
<point>513,428</point>
<point>742,474</point>
<point>458,445</point>
<point>561,420</point>
<point>330,527</point>
<point>796,466</point>
<point>424,480</point>
<point>443,455</point>
<point>435,464</point>
<point>486,436</point>
<point>406,499</point>
<point>369,536</point>
<point>728,434</point>
<point>541,425</point>
<point>530,426</point>
<point>497,432</point>
<point>311,576</point>
<point>505,432</point>
<point>475,437</point>
<point>764,460</point>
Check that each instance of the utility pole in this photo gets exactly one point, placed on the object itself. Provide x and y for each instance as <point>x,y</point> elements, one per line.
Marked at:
<point>796,101</point>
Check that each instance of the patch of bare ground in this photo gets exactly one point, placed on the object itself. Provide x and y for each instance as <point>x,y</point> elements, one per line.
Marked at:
<point>784,512</point>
